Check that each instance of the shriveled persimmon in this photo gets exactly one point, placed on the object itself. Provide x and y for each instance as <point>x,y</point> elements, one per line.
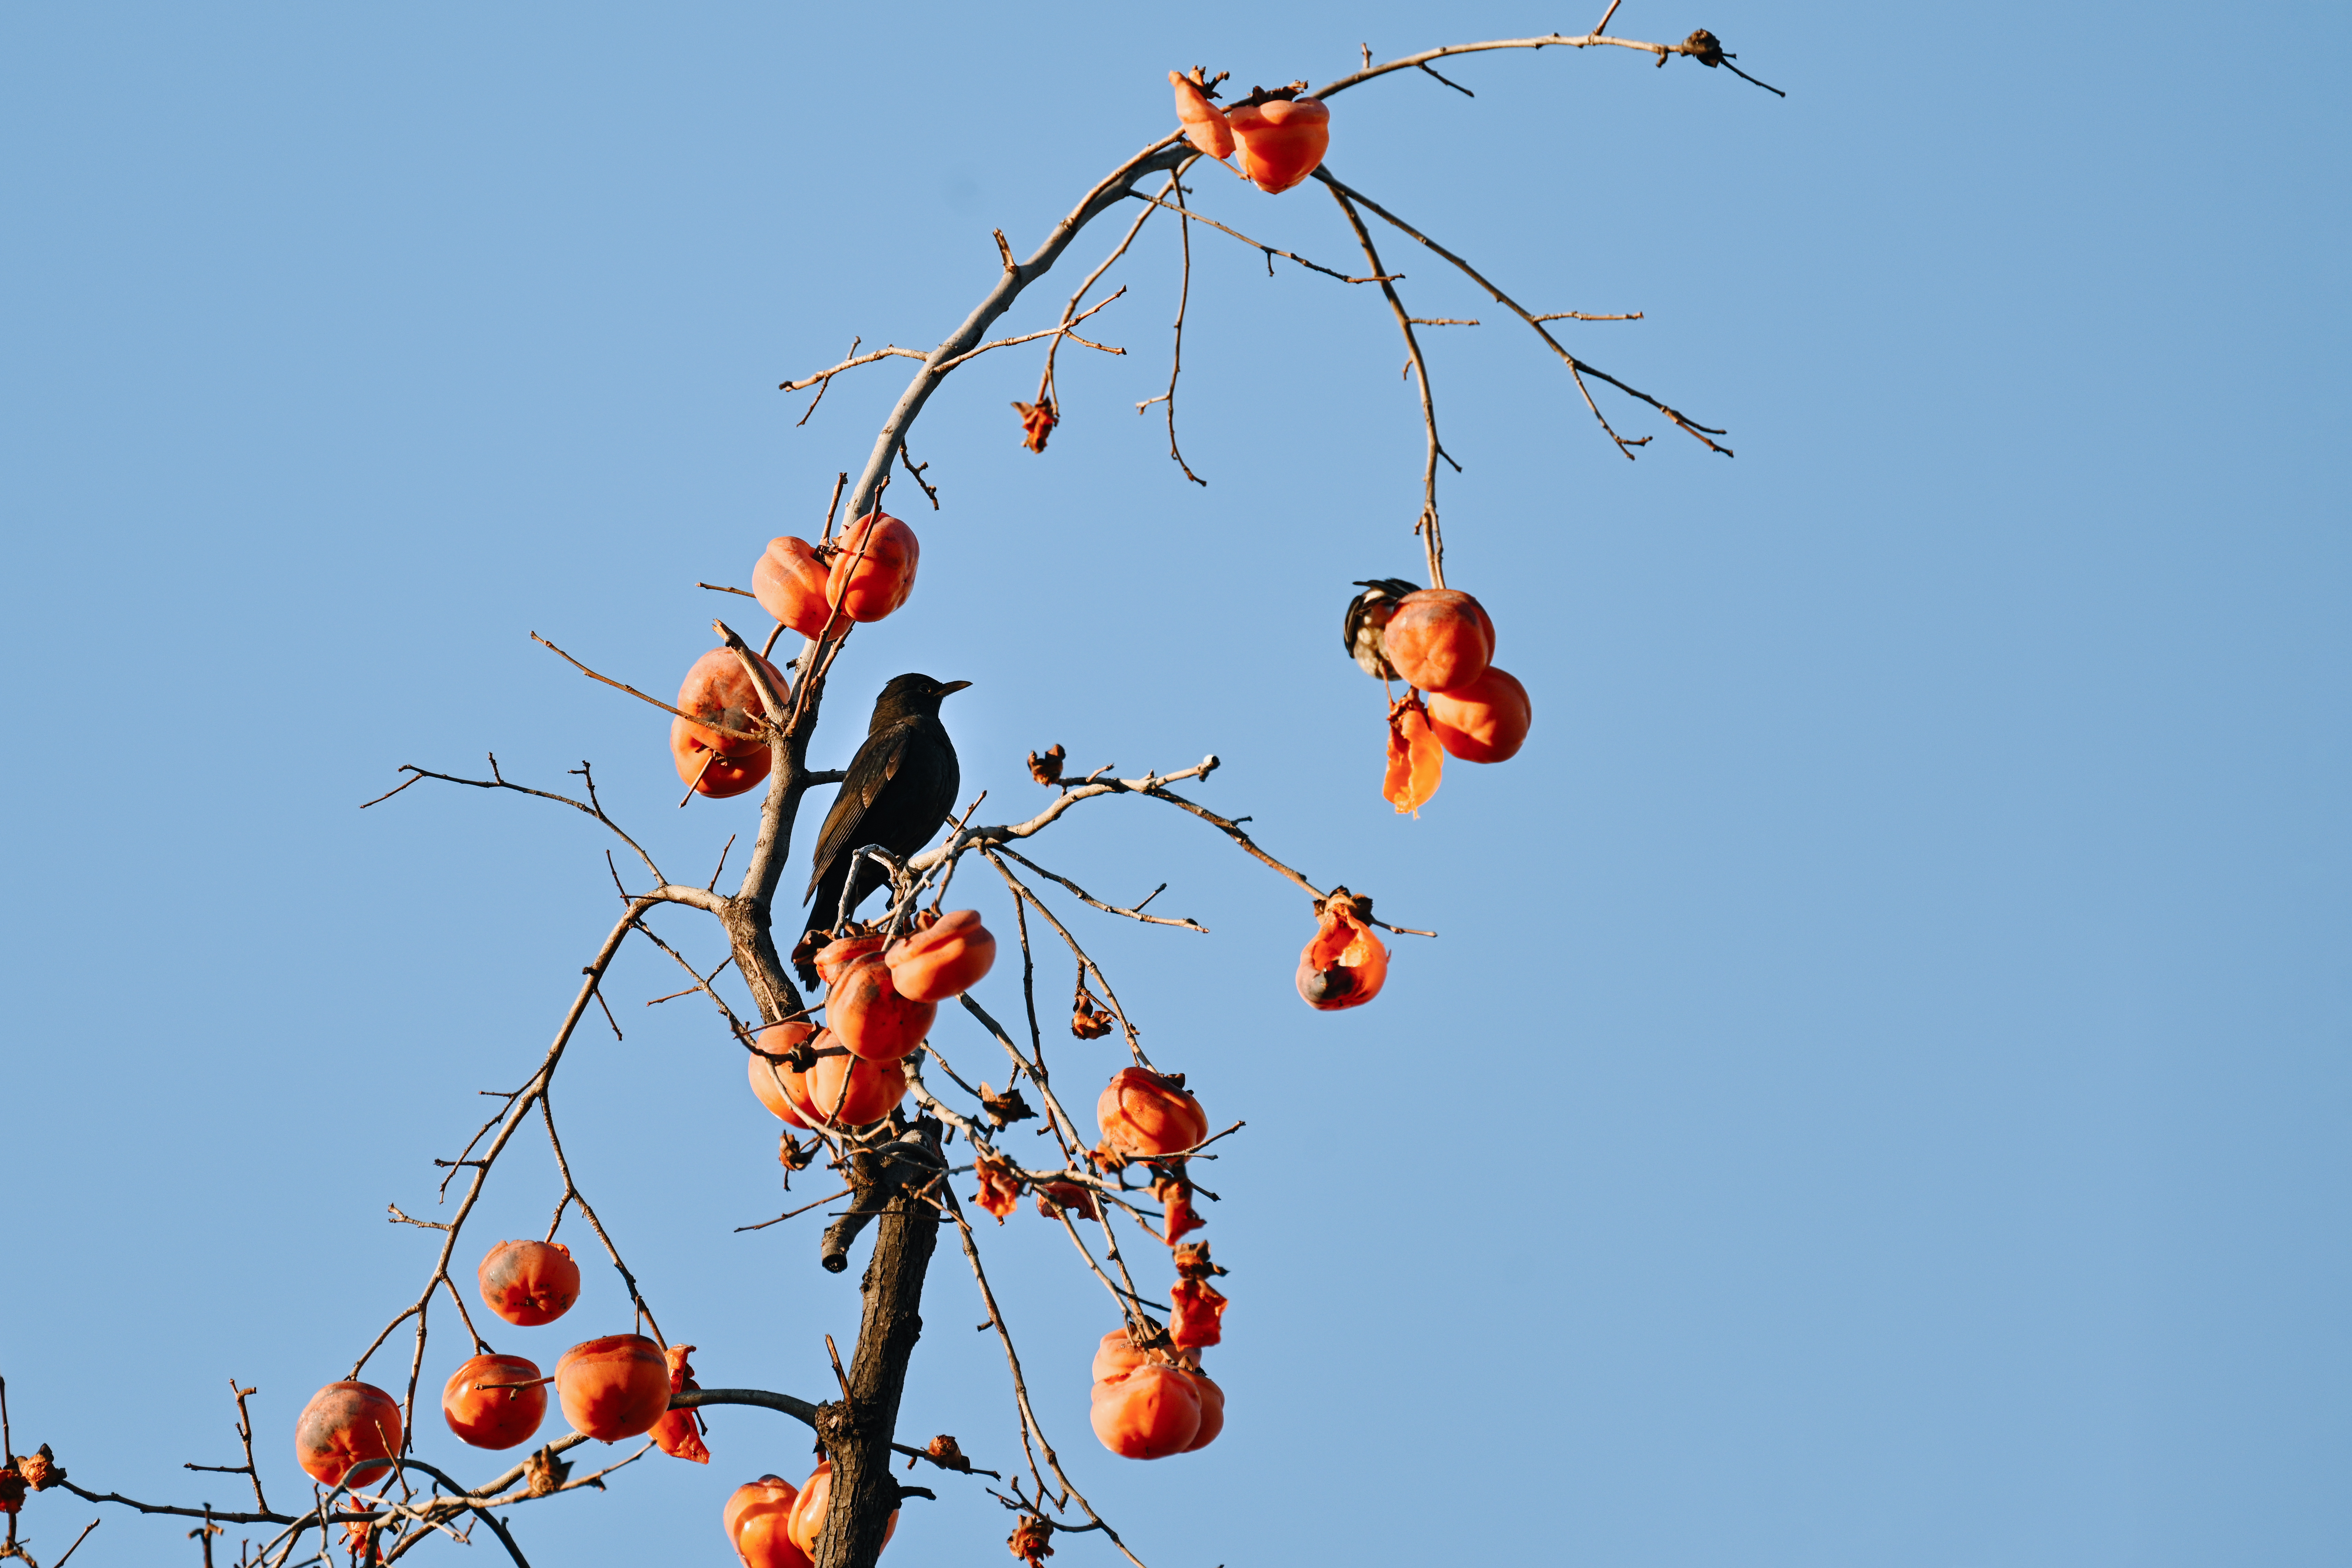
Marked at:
<point>678,1433</point>
<point>850,1092</point>
<point>944,959</point>
<point>809,1510</point>
<point>1199,1315</point>
<point>1175,1195</point>
<point>1344,964</point>
<point>874,569</point>
<point>1417,761</point>
<point>529,1282</point>
<point>1056,1197</point>
<point>769,1080</point>
<point>718,688</point>
<point>1000,1187</point>
<point>758,1519</point>
<point>1484,721</point>
<point>864,1011</point>
<point>1282,141</point>
<point>614,1388</point>
<point>1204,124</point>
<point>347,1434</point>
<point>1144,1114</point>
<point>1152,1412</point>
<point>791,581</point>
<point>1438,638</point>
<point>495,1401</point>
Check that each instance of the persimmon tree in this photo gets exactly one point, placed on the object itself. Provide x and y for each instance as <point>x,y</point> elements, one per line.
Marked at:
<point>864,1070</point>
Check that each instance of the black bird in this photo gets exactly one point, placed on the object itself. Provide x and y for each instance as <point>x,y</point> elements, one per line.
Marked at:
<point>899,789</point>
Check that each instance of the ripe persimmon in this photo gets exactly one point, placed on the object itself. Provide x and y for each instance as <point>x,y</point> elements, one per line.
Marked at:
<point>1417,761</point>
<point>809,1510</point>
<point>790,582</point>
<point>758,1518</point>
<point>1144,1114</point>
<point>495,1401</point>
<point>1282,141</point>
<point>768,1080</point>
<point>1484,721</point>
<point>678,1433</point>
<point>1344,964</point>
<point>1204,124</point>
<point>841,953</point>
<point>1150,1413</point>
<point>1213,1408</point>
<point>874,570</point>
<point>1117,1356</point>
<point>943,960</point>
<point>851,1091</point>
<point>348,1433</point>
<point>717,686</point>
<point>865,1011</point>
<point>614,1388</point>
<point>1438,638</point>
<point>529,1282</point>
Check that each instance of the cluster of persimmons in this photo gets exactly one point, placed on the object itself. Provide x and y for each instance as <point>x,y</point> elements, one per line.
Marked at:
<point>1458,703</point>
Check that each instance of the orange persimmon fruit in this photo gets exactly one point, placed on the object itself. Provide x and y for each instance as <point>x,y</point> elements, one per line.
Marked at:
<point>943,960</point>
<point>1213,1408</point>
<point>1176,1196</point>
<point>866,1013</point>
<point>841,953</point>
<point>1144,1114</point>
<point>874,570</point>
<point>1000,1188</point>
<point>614,1388</point>
<point>1417,761</point>
<point>1438,638</point>
<point>678,1433</point>
<point>851,1091</point>
<point>808,1512</point>
<point>1117,1356</point>
<point>1484,721</point>
<point>1204,124</point>
<point>1282,141</point>
<point>1150,1413</point>
<point>495,1401</point>
<point>348,1433</point>
<point>529,1282</point>
<point>1344,964</point>
<point>770,1079</point>
<point>758,1518</point>
<point>790,582</point>
<point>718,688</point>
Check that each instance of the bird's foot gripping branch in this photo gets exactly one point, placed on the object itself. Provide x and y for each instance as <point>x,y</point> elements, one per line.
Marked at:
<point>849,1035</point>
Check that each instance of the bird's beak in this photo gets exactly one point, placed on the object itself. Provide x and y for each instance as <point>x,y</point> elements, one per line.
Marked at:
<point>953,686</point>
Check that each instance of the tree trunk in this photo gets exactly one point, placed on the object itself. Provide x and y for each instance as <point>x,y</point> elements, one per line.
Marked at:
<point>856,1433</point>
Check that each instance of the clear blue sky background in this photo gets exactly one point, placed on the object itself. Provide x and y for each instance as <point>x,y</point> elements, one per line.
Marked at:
<point>1880,1096</point>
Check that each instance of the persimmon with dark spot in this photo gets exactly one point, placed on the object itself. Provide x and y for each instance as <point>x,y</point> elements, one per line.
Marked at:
<point>874,567</point>
<point>791,582</point>
<point>613,1387</point>
<point>758,1519</point>
<point>943,960</point>
<point>348,1435</point>
<point>864,1011</point>
<point>1144,1114</point>
<point>529,1282</point>
<point>718,688</point>
<point>1282,141</point>
<point>1343,964</point>
<point>1486,721</point>
<point>1438,638</point>
<point>1147,1413</point>
<point>495,1401</point>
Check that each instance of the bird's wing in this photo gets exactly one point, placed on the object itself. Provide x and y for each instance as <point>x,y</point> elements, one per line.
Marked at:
<point>870,772</point>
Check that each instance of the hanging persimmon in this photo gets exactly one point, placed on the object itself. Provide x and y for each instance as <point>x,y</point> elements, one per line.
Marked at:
<point>1344,965</point>
<point>614,1388</point>
<point>529,1282</point>
<point>873,567</point>
<point>946,958</point>
<point>348,1435</point>
<point>1196,1321</point>
<point>1213,1406</point>
<point>1484,721</point>
<point>679,1433</point>
<point>1204,124</point>
<point>1438,638</point>
<point>866,1013</point>
<point>842,951</point>
<point>790,581</point>
<point>718,688</point>
<point>1149,1412</point>
<point>784,1097</point>
<point>495,1401</point>
<point>758,1519</point>
<point>1282,137</point>
<point>1416,761</point>
<point>809,1510</point>
<point>1144,1114</point>
<point>850,1092</point>
<point>1117,1356</point>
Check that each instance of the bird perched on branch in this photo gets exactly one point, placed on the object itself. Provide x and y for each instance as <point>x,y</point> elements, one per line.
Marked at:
<point>898,791</point>
<point>1367,616</point>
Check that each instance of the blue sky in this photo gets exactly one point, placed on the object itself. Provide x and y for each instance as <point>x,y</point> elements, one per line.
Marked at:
<point>1879,1094</point>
